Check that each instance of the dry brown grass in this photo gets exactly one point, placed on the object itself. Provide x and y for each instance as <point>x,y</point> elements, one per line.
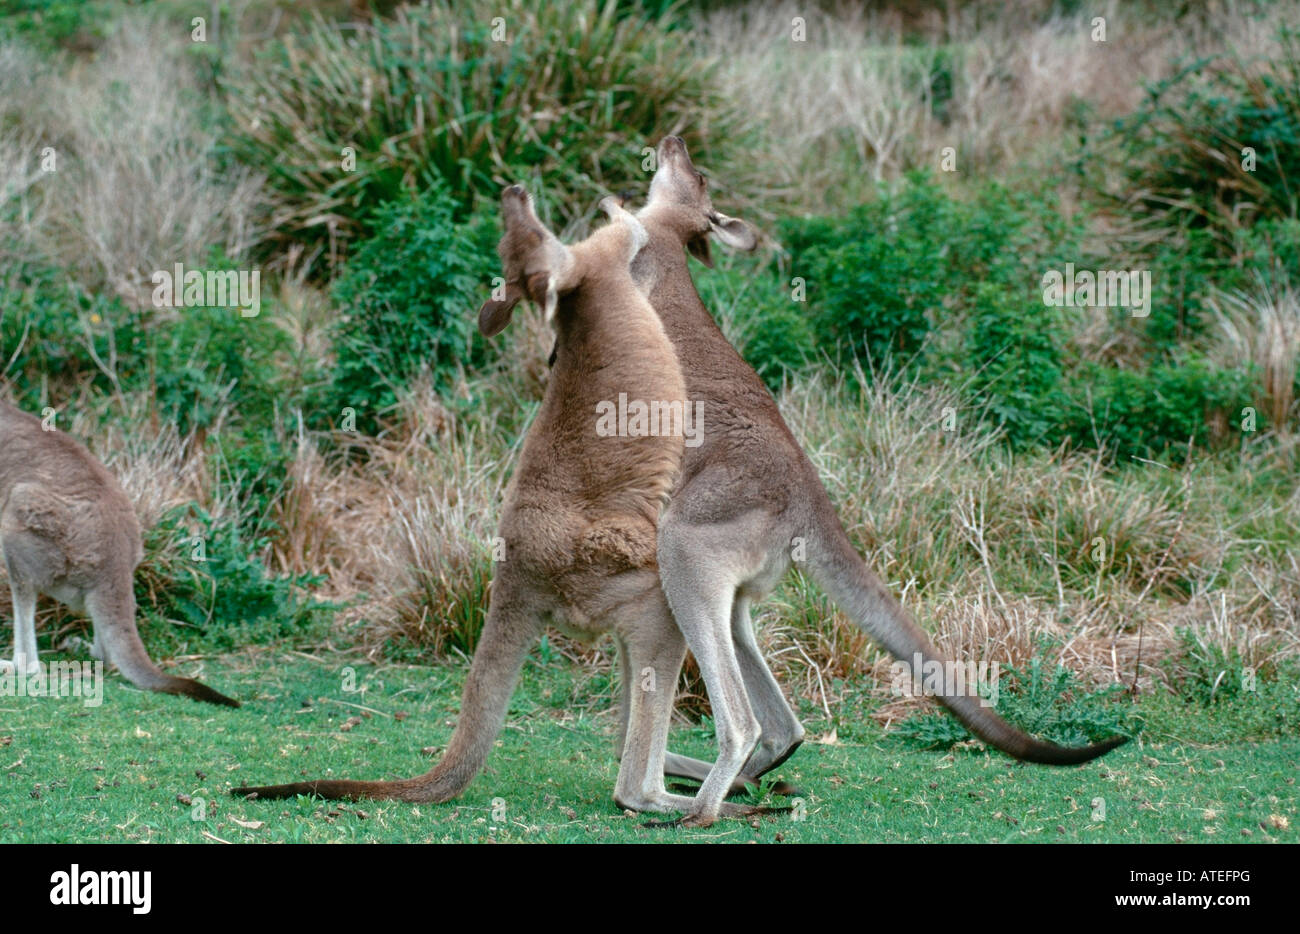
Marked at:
<point>992,552</point>
<point>1263,329</point>
<point>1006,87</point>
<point>22,211</point>
<point>400,524</point>
<point>136,187</point>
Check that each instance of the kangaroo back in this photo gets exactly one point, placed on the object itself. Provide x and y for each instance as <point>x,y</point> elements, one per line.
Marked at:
<point>67,529</point>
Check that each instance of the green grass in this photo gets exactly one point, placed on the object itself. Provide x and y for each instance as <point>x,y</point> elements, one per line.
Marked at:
<point>116,773</point>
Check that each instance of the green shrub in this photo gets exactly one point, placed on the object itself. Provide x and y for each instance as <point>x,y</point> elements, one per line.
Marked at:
<point>408,297</point>
<point>255,460</point>
<point>57,24</point>
<point>1183,148</point>
<point>778,338</point>
<point>896,270</point>
<point>1156,411</point>
<point>1189,269</point>
<point>566,103</point>
<point>51,331</point>
<point>953,288</point>
<point>950,287</point>
<point>1185,270</point>
<point>193,363</point>
<point>1047,702</point>
<point>873,277</point>
<point>222,602</point>
<point>1015,362</point>
<point>1272,247</point>
<point>206,359</point>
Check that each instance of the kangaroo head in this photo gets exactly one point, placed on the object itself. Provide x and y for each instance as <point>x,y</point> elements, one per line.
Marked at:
<point>535,263</point>
<point>539,267</point>
<point>679,196</point>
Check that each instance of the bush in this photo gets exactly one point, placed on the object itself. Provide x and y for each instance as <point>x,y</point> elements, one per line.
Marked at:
<point>1047,702</point>
<point>254,460</point>
<point>873,278</point>
<point>896,270</point>
<point>57,24</point>
<point>1015,363</point>
<point>196,366</point>
<point>1157,411</point>
<point>409,294</point>
<point>217,599</point>
<point>51,332</point>
<point>1183,149</point>
<point>951,288</point>
<point>1188,270</point>
<point>190,363</point>
<point>566,103</point>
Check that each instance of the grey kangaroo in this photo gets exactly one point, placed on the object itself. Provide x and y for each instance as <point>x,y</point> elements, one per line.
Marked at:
<point>745,495</point>
<point>580,511</point>
<point>738,501</point>
<point>68,530</point>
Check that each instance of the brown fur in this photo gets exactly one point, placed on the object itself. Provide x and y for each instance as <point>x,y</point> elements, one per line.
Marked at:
<point>68,530</point>
<point>580,512</point>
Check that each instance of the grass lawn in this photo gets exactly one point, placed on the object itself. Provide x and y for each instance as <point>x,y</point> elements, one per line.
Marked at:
<point>122,772</point>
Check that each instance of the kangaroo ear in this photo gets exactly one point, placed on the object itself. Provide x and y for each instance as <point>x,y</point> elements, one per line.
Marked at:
<point>732,232</point>
<point>699,248</point>
<point>496,313</point>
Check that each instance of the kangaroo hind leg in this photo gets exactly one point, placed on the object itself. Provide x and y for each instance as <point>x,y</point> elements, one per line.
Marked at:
<point>652,650</point>
<point>32,561</point>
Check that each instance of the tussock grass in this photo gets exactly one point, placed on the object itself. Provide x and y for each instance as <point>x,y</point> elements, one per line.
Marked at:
<point>1262,329</point>
<point>432,92</point>
<point>136,186</point>
<point>992,550</point>
<point>856,102</point>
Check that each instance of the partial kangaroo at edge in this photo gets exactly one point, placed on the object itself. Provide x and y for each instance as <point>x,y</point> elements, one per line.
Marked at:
<point>744,495</point>
<point>580,511</point>
<point>68,530</point>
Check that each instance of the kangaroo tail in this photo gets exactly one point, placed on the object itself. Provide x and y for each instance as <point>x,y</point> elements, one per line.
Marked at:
<point>841,572</point>
<point>488,688</point>
<point>114,620</point>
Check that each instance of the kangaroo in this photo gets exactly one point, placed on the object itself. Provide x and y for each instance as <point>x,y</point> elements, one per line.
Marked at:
<point>68,530</point>
<point>580,511</point>
<point>745,494</point>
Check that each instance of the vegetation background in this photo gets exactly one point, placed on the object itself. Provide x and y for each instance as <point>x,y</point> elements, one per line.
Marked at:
<point>1105,504</point>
